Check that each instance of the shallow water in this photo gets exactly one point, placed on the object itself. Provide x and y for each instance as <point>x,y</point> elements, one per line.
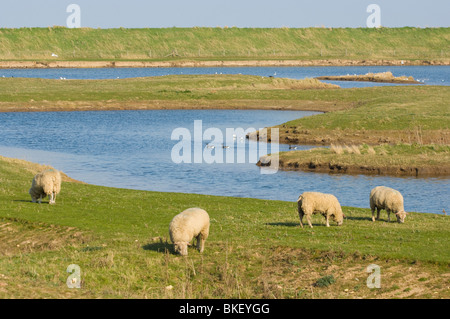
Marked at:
<point>430,75</point>
<point>133,149</point>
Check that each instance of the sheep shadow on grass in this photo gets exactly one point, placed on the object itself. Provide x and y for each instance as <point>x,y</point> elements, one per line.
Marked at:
<point>358,218</point>
<point>292,224</point>
<point>160,247</point>
<point>287,224</point>
<point>26,201</point>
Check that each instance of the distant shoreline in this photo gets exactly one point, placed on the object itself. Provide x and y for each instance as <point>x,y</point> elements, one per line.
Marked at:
<point>217,63</point>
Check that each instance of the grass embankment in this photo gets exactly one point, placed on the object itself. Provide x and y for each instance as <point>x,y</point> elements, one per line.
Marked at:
<point>256,248</point>
<point>225,44</point>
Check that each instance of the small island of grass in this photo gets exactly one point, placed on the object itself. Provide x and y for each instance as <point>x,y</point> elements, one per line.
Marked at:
<point>382,77</point>
<point>399,159</point>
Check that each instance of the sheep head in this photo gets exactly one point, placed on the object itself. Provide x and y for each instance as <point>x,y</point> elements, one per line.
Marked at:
<point>181,248</point>
<point>338,217</point>
<point>401,215</point>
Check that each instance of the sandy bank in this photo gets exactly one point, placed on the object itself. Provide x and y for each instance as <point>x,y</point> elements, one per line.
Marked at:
<point>243,63</point>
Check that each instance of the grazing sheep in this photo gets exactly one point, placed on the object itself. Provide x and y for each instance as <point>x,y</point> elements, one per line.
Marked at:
<point>314,202</point>
<point>382,197</point>
<point>45,183</point>
<point>193,222</point>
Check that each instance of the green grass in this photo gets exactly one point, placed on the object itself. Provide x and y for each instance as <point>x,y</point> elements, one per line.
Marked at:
<point>383,108</point>
<point>171,87</point>
<point>375,115</point>
<point>223,43</point>
<point>256,248</point>
<point>325,281</point>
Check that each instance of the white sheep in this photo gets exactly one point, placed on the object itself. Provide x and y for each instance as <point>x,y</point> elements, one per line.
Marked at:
<point>189,224</point>
<point>382,197</point>
<point>310,203</point>
<point>45,183</point>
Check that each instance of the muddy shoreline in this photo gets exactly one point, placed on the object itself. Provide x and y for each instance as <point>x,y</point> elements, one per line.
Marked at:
<point>441,171</point>
<point>218,63</point>
<point>329,168</point>
<point>71,106</point>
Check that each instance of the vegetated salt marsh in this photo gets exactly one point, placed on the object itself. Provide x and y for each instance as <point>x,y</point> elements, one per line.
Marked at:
<point>132,149</point>
<point>430,75</point>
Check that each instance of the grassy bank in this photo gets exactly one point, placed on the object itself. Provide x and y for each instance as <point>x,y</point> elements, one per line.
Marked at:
<point>154,44</point>
<point>400,159</point>
<point>256,248</point>
<point>376,115</point>
<point>174,91</point>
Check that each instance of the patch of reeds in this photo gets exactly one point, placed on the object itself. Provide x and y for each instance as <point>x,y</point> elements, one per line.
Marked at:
<point>352,149</point>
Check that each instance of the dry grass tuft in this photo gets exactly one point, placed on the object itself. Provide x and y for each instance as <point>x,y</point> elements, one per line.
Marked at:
<point>337,149</point>
<point>307,83</point>
<point>355,149</point>
<point>18,237</point>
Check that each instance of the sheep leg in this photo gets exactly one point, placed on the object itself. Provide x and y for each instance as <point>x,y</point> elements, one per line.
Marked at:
<point>389,215</point>
<point>373,214</point>
<point>52,198</point>
<point>308,218</point>
<point>328,223</point>
<point>40,198</point>
<point>378,213</point>
<point>300,214</point>
<point>200,243</point>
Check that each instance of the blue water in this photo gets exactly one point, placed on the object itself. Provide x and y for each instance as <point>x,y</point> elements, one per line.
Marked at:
<point>430,75</point>
<point>133,149</point>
